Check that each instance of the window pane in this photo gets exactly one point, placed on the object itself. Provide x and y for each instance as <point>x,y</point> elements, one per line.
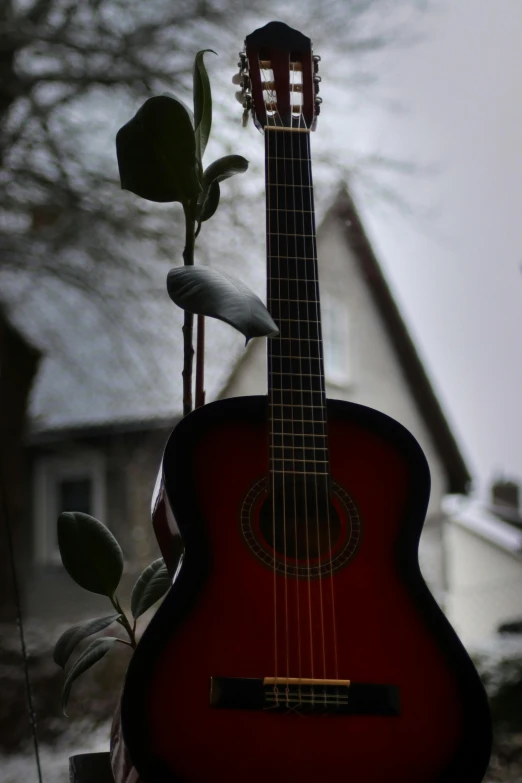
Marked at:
<point>75,495</point>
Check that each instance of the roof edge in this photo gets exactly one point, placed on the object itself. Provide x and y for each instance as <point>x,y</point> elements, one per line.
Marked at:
<point>459,477</point>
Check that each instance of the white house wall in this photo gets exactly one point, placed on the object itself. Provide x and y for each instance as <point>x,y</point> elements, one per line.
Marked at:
<point>485,585</point>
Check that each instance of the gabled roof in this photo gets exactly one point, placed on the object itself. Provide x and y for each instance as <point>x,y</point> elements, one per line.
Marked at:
<point>421,389</point>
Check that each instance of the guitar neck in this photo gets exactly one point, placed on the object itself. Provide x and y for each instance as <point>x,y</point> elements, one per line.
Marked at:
<point>295,358</point>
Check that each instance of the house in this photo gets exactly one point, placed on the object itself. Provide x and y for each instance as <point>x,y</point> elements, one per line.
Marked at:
<point>484,563</point>
<point>98,450</point>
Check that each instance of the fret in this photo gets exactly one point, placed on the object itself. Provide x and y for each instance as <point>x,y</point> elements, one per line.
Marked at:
<point>298,339</point>
<point>286,397</point>
<point>297,310</point>
<point>289,197</point>
<point>296,321</point>
<point>289,185</point>
<point>300,448</point>
<point>300,440</point>
<point>287,157</point>
<point>296,332</point>
<point>290,222</point>
<point>297,421</point>
<point>288,234</point>
<point>300,375</point>
<point>293,290</point>
<point>293,266</point>
<point>295,171</point>
<point>288,412</point>
<point>289,144</point>
<point>289,454</point>
<point>293,364</point>
<point>306,383</point>
<point>297,428</point>
<point>292,459</point>
<point>302,472</point>
<point>286,349</point>
<point>292,247</point>
<point>291,211</point>
<point>296,301</point>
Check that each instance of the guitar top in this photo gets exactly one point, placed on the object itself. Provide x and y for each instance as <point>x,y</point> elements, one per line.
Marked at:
<point>299,640</point>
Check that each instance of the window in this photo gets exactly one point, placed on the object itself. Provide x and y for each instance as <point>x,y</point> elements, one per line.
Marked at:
<point>338,354</point>
<point>61,484</point>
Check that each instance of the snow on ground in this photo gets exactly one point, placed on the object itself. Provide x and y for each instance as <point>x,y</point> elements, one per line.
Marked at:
<point>54,759</point>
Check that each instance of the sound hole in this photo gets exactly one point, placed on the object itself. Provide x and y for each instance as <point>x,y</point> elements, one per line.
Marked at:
<point>307,525</point>
<point>322,534</point>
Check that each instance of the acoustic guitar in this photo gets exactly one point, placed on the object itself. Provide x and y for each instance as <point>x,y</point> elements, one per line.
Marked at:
<point>299,641</point>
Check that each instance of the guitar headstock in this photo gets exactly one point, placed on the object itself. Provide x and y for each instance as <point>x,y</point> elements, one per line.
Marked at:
<point>279,79</point>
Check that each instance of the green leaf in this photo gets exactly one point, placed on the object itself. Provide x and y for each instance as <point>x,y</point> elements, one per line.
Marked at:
<point>150,587</point>
<point>202,103</point>
<point>156,152</point>
<point>73,636</point>
<point>217,171</point>
<point>209,202</point>
<point>90,553</point>
<point>93,653</point>
<point>225,167</point>
<point>205,291</point>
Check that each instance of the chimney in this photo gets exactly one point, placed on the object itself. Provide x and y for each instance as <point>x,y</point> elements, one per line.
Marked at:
<point>505,494</point>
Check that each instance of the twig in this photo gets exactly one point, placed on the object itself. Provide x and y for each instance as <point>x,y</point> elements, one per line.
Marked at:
<point>123,621</point>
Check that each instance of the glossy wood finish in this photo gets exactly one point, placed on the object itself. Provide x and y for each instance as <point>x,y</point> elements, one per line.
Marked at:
<point>218,620</point>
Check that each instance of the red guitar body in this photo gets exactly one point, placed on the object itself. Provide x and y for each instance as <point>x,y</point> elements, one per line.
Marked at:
<point>227,608</point>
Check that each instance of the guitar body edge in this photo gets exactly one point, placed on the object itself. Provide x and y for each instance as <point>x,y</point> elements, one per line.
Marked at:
<point>217,621</point>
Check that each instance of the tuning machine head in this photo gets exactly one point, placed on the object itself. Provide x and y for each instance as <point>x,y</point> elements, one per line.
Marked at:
<point>316,59</point>
<point>242,79</point>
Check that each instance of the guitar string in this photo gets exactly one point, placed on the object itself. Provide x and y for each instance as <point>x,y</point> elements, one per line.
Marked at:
<point>313,278</point>
<point>291,386</point>
<point>271,98</point>
<point>327,477</point>
<point>271,418</point>
<point>285,539</point>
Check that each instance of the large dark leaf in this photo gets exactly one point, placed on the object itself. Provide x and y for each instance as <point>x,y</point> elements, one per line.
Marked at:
<point>205,291</point>
<point>90,553</point>
<point>157,152</point>
<point>73,636</point>
<point>93,653</point>
<point>225,167</point>
<point>202,103</point>
<point>150,587</point>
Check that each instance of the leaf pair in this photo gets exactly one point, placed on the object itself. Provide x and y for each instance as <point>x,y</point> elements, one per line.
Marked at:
<point>93,558</point>
<point>160,150</point>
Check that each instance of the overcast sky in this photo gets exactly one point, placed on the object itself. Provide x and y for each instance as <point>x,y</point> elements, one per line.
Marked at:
<point>458,279</point>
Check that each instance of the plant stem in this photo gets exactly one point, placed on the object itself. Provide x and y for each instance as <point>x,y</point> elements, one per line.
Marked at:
<point>124,621</point>
<point>188,324</point>
<point>200,363</point>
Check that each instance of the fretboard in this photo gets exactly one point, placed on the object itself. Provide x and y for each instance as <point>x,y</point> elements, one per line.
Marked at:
<point>295,358</point>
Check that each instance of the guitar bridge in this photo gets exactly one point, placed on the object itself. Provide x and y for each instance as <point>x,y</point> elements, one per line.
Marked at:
<point>285,694</point>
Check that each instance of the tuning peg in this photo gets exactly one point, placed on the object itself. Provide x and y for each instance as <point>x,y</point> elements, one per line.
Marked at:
<point>236,79</point>
<point>240,96</point>
<point>316,60</point>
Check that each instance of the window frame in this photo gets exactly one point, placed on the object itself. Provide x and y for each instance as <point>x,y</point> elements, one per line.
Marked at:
<point>48,472</point>
<point>341,378</point>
